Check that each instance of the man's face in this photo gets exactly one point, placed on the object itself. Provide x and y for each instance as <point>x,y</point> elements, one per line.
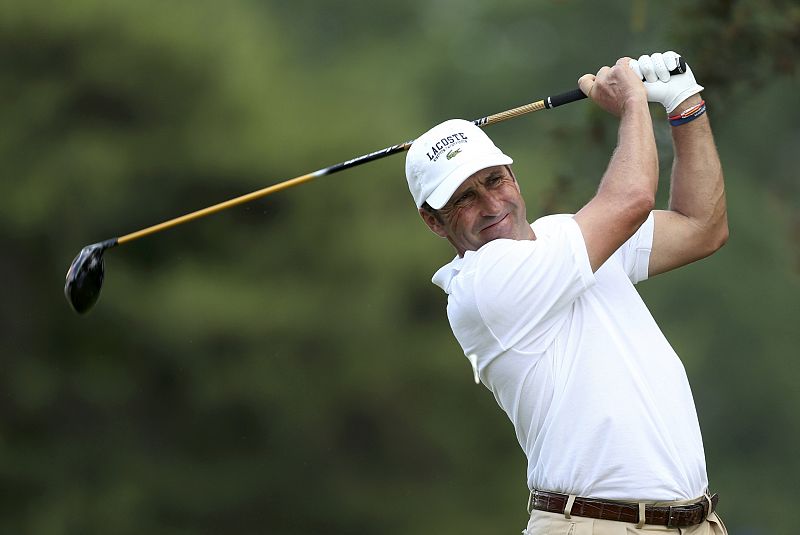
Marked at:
<point>487,206</point>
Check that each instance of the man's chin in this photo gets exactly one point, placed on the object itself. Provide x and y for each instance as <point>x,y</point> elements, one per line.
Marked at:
<point>491,238</point>
<point>485,239</point>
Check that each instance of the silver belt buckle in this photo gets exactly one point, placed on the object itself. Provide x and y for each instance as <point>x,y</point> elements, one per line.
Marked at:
<point>531,499</point>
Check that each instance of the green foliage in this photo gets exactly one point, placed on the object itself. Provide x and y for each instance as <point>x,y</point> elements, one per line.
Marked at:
<point>286,366</point>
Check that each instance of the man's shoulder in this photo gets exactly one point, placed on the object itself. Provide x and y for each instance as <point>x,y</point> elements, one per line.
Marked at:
<point>549,222</point>
<point>501,255</point>
<point>466,266</point>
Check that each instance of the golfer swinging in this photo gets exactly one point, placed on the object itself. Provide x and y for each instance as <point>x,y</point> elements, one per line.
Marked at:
<point>548,313</point>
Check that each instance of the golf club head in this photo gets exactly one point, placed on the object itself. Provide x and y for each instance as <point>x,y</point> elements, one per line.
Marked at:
<point>85,276</point>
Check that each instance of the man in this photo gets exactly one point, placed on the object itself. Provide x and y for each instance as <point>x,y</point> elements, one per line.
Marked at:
<point>548,314</point>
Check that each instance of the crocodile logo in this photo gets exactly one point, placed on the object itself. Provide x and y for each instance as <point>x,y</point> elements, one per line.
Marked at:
<point>453,153</point>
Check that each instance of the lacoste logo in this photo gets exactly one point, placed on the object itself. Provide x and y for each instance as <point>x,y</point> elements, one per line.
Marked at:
<point>437,149</point>
<point>453,153</point>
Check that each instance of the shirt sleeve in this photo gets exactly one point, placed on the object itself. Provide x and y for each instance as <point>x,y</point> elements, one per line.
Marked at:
<point>524,289</point>
<point>634,254</point>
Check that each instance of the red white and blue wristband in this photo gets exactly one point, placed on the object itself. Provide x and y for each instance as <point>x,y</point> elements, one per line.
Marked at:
<point>688,115</point>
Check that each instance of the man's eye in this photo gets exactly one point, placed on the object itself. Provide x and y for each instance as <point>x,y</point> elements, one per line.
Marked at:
<point>464,198</point>
<point>493,180</point>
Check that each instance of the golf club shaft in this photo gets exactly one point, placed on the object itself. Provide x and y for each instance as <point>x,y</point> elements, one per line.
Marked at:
<point>547,103</point>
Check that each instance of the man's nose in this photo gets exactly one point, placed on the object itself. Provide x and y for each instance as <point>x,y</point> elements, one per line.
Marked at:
<point>490,204</point>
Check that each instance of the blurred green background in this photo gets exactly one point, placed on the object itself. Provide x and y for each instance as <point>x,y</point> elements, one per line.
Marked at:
<point>286,367</point>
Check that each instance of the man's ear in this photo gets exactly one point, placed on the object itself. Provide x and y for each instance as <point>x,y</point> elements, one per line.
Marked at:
<point>434,223</point>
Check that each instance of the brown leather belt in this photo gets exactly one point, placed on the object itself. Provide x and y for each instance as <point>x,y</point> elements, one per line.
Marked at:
<point>675,516</point>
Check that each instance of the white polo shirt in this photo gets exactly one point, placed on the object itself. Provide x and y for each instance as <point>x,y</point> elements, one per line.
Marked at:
<point>599,399</point>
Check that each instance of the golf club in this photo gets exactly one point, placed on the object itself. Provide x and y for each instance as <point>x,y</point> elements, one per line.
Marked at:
<point>85,275</point>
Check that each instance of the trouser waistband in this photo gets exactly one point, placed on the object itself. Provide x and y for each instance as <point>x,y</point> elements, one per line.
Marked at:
<point>672,516</point>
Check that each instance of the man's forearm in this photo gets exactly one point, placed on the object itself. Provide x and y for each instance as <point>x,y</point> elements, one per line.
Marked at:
<point>697,190</point>
<point>627,190</point>
<point>634,164</point>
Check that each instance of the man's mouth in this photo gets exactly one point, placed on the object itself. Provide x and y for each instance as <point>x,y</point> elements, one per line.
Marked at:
<point>493,225</point>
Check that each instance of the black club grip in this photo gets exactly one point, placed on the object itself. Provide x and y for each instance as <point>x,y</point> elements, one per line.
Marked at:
<point>563,98</point>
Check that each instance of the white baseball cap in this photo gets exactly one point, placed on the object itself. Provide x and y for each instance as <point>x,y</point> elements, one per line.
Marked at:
<point>442,158</point>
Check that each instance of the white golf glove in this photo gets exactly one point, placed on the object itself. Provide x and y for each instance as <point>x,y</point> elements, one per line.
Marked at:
<point>669,90</point>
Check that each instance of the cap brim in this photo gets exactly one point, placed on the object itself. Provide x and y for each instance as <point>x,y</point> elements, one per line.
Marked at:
<point>457,176</point>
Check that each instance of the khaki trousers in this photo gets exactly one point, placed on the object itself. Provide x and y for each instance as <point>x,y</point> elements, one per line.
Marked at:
<point>542,523</point>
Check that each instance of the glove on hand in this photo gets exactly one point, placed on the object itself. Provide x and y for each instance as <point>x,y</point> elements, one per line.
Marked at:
<point>669,90</point>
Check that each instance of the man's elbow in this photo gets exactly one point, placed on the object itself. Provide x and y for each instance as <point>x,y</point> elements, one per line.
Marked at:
<point>640,204</point>
<point>716,238</point>
<point>721,237</point>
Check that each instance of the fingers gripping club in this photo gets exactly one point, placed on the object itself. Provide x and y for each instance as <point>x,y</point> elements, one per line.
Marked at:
<point>654,70</point>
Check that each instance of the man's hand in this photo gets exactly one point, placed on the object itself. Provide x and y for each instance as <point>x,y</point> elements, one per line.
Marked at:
<point>669,90</point>
<point>614,89</point>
